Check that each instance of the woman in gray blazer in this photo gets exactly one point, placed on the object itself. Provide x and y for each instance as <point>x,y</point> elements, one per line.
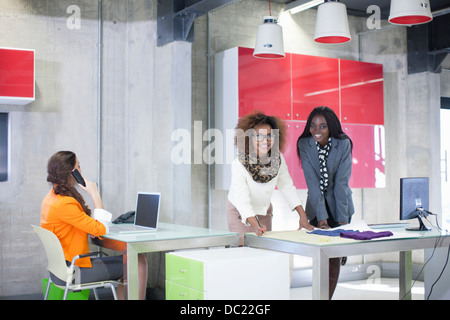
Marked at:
<point>325,152</point>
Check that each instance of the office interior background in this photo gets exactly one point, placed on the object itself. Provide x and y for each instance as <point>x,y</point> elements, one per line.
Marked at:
<point>108,91</point>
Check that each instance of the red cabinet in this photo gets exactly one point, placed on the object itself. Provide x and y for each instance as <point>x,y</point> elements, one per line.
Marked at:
<point>368,168</point>
<point>264,85</point>
<point>361,92</point>
<point>290,88</point>
<point>16,76</point>
<point>294,129</point>
<point>315,82</point>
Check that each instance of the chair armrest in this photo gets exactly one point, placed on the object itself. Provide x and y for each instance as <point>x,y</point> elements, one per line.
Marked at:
<point>90,254</point>
<point>70,271</point>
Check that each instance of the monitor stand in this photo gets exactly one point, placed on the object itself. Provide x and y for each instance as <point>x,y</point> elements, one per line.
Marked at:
<point>421,226</point>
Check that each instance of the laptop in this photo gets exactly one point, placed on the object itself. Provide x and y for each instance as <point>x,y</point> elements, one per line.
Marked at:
<point>146,217</point>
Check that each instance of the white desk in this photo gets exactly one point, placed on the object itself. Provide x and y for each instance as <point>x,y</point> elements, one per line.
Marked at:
<point>168,237</point>
<point>322,248</point>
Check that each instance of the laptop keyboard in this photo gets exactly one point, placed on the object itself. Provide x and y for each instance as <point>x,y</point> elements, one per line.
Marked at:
<point>128,228</point>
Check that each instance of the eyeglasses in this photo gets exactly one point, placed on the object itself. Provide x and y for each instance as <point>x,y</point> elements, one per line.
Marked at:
<point>260,137</point>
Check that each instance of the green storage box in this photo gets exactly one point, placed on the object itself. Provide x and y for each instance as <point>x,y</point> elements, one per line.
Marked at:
<point>56,293</point>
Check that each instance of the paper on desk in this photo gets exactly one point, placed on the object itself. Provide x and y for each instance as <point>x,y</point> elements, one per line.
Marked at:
<point>304,237</point>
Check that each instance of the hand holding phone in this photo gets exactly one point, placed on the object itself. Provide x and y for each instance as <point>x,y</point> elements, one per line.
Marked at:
<point>76,174</point>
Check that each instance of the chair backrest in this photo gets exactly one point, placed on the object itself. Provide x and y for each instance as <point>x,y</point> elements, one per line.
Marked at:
<point>55,254</point>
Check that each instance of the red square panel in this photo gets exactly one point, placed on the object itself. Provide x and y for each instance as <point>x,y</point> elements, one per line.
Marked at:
<point>294,129</point>
<point>368,168</point>
<point>264,85</point>
<point>16,75</point>
<point>315,82</point>
<point>361,92</point>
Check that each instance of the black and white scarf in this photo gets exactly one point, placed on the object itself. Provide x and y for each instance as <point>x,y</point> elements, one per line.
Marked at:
<point>323,157</point>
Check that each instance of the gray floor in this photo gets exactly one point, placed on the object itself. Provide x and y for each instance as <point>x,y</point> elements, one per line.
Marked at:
<point>378,289</point>
<point>375,289</point>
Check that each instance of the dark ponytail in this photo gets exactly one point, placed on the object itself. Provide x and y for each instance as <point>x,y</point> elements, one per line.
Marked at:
<point>59,169</point>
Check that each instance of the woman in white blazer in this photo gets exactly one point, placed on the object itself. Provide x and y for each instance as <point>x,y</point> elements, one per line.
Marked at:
<point>325,152</point>
<point>258,169</point>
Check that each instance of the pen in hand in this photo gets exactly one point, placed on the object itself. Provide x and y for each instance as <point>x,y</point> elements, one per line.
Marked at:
<point>259,224</point>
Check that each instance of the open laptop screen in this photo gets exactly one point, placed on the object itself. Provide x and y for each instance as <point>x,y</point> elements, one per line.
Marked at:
<point>147,209</point>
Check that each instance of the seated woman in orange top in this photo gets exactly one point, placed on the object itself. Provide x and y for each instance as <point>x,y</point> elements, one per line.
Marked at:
<point>64,212</point>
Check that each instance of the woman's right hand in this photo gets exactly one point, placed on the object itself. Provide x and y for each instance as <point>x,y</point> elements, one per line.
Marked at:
<point>260,230</point>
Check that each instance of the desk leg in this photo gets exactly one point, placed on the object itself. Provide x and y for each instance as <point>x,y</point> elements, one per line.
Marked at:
<point>405,275</point>
<point>320,283</point>
<point>131,290</point>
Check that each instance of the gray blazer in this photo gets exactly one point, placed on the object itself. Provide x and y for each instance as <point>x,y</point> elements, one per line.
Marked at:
<point>339,194</point>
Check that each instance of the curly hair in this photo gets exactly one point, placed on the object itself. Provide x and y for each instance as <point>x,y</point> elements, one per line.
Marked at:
<point>249,122</point>
<point>59,169</point>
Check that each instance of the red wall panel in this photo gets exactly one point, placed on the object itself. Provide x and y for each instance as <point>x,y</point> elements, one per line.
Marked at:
<point>315,82</point>
<point>264,85</point>
<point>361,92</point>
<point>16,75</point>
<point>368,155</point>
<point>294,130</point>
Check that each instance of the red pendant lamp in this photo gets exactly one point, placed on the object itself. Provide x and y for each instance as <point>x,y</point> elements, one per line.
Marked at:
<point>410,12</point>
<point>332,23</point>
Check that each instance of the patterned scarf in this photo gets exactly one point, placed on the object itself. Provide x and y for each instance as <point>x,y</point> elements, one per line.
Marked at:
<point>323,157</point>
<point>260,172</point>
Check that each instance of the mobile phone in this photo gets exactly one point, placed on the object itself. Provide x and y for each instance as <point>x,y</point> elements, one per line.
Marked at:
<point>77,175</point>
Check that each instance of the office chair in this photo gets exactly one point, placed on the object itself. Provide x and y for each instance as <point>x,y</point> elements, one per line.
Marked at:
<point>58,267</point>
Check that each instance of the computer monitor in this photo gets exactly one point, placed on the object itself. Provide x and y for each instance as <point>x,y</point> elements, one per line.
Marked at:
<point>414,200</point>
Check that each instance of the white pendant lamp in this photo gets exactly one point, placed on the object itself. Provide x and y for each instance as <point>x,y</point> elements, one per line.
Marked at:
<point>269,39</point>
<point>410,12</point>
<point>332,23</point>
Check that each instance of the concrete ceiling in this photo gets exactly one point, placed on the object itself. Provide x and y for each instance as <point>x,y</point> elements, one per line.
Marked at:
<point>359,7</point>
<point>429,41</point>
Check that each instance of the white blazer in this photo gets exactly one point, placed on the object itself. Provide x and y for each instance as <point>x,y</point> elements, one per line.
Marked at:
<point>253,198</point>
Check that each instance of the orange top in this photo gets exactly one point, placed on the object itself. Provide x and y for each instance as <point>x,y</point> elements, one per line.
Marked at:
<point>65,217</point>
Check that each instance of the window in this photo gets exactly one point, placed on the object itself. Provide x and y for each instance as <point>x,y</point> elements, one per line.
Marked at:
<point>445,153</point>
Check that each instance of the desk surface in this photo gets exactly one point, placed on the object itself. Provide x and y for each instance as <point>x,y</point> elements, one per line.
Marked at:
<point>321,248</point>
<point>303,236</point>
<point>301,243</point>
<point>168,231</point>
